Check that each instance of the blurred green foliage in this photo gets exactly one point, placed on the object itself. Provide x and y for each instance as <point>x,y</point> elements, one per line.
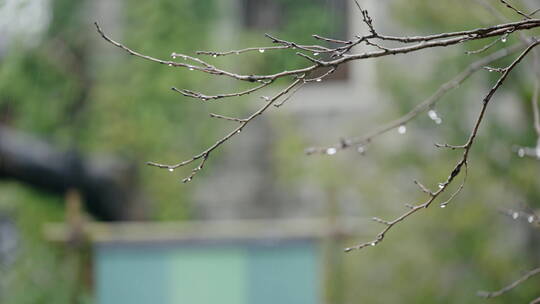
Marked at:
<point>81,93</point>
<point>64,91</point>
<point>98,99</point>
<point>439,255</point>
<point>470,246</point>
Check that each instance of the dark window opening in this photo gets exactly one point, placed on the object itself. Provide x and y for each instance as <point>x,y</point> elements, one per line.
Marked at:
<point>301,19</point>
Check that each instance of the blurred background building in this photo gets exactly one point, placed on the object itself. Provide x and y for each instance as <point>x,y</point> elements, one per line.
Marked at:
<point>79,116</point>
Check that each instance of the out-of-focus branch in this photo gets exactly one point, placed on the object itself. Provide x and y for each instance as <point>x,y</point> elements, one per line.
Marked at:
<point>320,67</point>
<point>460,164</point>
<point>425,105</point>
<point>524,151</point>
<point>203,156</point>
<point>530,217</point>
<point>338,56</point>
<point>341,55</point>
<point>517,11</point>
<point>536,99</point>
<point>492,294</point>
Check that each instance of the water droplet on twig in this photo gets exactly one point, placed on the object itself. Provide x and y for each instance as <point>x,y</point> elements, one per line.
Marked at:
<point>261,50</point>
<point>402,129</point>
<point>331,151</point>
<point>432,114</point>
<point>515,215</point>
<point>171,169</point>
<point>521,152</point>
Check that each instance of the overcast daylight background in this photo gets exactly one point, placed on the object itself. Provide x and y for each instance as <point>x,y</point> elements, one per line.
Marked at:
<point>79,119</point>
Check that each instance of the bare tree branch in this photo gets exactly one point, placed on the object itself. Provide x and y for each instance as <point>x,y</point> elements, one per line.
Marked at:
<point>529,217</point>
<point>420,108</point>
<point>462,162</point>
<point>339,55</point>
<point>243,123</point>
<point>343,51</point>
<point>489,45</point>
<point>430,41</point>
<point>524,151</point>
<point>203,97</point>
<point>508,5</point>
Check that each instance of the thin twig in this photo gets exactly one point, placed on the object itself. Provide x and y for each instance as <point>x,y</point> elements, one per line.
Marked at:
<point>284,100</point>
<point>492,294</point>
<point>366,18</point>
<point>339,56</point>
<point>213,115</point>
<point>423,188</point>
<point>420,108</point>
<point>530,217</point>
<point>203,97</point>
<point>458,190</point>
<point>332,40</point>
<point>284,45</point>
<point>243,123</point>
<point>525,151</point>
<point>508,5</point>
<point>459,165</point>
<point>487,46</point>
<point>261,49</point>
<point>429,41</point>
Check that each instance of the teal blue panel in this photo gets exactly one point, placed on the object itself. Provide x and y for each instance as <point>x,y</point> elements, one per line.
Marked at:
<point>132,274</point>
<point>286,273</point>
<point>210,275</point>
